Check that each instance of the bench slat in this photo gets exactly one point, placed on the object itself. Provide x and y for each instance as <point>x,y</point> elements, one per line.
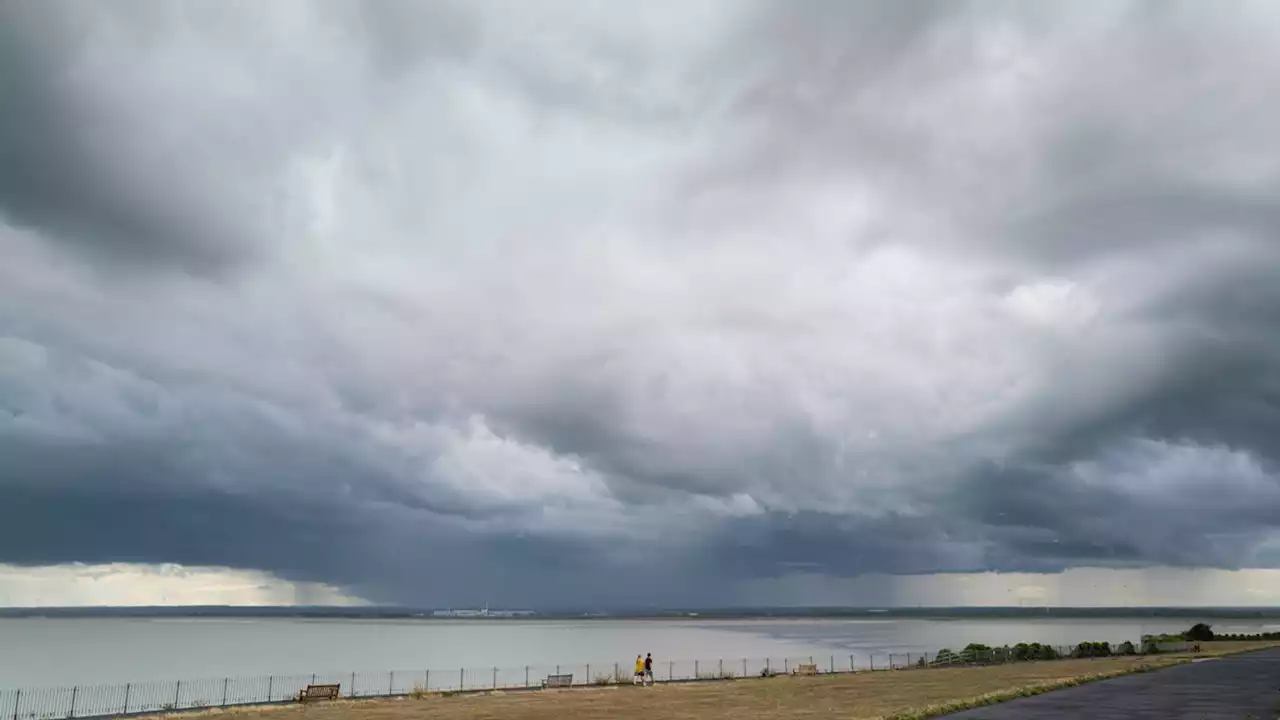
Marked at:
<point>558,681</point>
<point>320,692</point>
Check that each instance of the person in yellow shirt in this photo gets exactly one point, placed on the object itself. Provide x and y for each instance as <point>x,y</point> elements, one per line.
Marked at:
<point>639,677</point>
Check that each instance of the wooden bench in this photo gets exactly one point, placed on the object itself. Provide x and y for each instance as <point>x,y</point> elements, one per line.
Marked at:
<point>319,692</point>
<point>554,681</point>
<point>806,670</point>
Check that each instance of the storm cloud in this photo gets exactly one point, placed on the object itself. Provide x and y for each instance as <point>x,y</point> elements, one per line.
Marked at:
<point>589,302</point>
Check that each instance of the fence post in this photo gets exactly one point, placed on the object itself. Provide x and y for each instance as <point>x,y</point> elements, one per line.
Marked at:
<point>786,665</point>
<point>851,667</point>
<point>766,666</point>
<point>908,659</point>
<point>391,683</point>
<point>177,688</point>
<point>73,700</point>
<point>352,692</point>
<point>495,677</point>
<point>462,678</point>
<point>271,681</point>
<point>526,676</point>
<point>696,674</point>
<point>616,673</point>
<point>587,681</point>
<point>127,687</point>
<point>671,670</point>
<point>313,678</point>
<point>426,681</point>
<point>721,668</point>
<point>18,698</point>
<point>744,667</point>
<point>224,691</point>
<point>873,661</point>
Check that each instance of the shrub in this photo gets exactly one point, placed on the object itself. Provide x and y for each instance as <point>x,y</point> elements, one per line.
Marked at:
<point>1199,632</point>
<point>1256,637</point>
<point>1126,648</point>
<point>1092,649</point>
<point>976,653</point>
<point>1033,651</point>
<point>946,656</point>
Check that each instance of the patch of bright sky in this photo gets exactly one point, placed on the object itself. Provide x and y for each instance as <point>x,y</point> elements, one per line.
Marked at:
<point>121,584</point>
<point>1077,587</point>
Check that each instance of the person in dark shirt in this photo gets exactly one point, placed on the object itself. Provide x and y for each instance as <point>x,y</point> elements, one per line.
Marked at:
<point>648,667</point>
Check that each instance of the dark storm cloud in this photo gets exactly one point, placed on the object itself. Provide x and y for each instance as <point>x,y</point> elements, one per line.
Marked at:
<point>452,302</point>
<point>140,509</point>
<point>138,162</point>
<point>56,171</point>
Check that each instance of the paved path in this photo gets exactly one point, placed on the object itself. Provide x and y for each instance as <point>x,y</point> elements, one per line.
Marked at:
<point>1237,687</point>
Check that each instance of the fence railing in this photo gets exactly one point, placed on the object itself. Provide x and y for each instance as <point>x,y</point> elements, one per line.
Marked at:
<point>92,701</point>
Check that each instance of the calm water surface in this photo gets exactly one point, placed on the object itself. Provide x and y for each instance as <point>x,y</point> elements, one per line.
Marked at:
<point>41,652</point>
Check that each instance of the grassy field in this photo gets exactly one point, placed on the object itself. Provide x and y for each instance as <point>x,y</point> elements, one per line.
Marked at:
<point>902,694</point>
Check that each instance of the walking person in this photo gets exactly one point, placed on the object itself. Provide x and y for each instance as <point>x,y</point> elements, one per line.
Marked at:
<point>648,667</point>
<point>638,679</point>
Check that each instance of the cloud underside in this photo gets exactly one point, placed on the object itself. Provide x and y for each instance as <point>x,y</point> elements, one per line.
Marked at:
<point>447,302</point>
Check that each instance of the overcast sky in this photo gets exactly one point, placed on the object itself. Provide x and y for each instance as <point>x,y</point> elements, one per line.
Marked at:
<point>568,302</point>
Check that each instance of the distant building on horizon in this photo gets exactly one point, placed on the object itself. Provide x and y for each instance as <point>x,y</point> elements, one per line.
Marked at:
<point>484,612</point>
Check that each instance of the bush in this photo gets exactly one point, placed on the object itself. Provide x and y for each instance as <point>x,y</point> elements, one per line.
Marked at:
<point>1256,637</point>
<point>1092,649</point>
<point>1126,648</point>
<point>1034,651</point>
<point>976,653</point>
<point>1199,632</point>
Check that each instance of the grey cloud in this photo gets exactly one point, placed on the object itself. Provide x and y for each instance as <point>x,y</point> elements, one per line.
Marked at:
<point>596,307</point>
<point>403,34</point>
<point>56,174</point>
<point>142,163</point>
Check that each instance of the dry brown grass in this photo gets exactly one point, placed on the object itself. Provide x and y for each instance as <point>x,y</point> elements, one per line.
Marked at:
<point>897,694</point>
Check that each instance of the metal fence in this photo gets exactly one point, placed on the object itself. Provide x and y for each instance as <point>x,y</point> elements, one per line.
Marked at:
<point>90,701</point>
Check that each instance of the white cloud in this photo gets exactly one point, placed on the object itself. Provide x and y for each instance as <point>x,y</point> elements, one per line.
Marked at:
<point>1054,304</point>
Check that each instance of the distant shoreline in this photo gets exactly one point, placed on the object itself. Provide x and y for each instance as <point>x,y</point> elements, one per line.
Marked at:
<point>692,614</point>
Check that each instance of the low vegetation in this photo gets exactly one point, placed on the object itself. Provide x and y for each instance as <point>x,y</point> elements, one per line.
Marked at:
<point>977,654</point>
<point>1256,637</point>
<point>903,695</point>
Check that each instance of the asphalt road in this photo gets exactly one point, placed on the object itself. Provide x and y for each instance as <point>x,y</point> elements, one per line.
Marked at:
<point>1238,687</point>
